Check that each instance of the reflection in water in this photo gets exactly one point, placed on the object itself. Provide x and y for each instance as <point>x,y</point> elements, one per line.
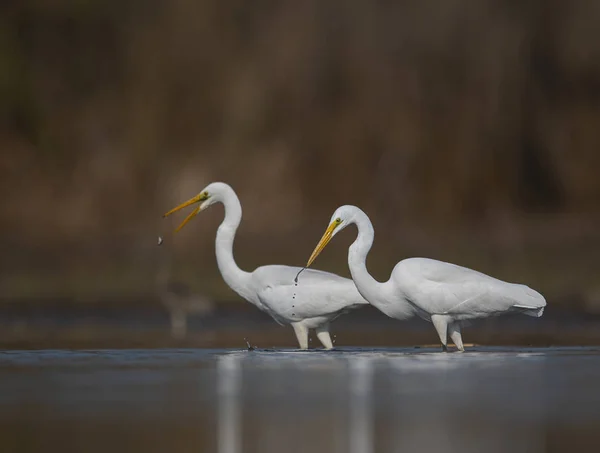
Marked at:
<point>360,429</point>
<point>423,403</point>
<point>229,382</point>
<point>347,401</point>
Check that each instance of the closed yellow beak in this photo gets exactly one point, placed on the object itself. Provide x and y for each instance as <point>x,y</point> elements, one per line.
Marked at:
<point>192,214</point>
<point>322,243</point>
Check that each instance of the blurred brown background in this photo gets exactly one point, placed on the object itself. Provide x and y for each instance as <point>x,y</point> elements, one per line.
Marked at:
<point>468,131</point>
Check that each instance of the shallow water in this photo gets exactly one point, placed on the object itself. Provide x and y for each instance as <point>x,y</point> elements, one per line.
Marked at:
<point>350,400</point>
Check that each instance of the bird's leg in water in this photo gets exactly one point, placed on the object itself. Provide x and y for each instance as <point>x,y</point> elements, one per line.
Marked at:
<point>454,332</point>
<point>301,332</point>
<point>441,326</point>
<point>323,336</point>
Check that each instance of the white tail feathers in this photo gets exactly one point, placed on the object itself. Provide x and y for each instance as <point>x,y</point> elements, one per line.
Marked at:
<point>536,312</point>
<point>530,301</point>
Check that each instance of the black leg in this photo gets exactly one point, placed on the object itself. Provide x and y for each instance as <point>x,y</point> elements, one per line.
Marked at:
<point>444,348</point>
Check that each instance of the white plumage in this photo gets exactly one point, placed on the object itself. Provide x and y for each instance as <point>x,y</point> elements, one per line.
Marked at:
<point>443,293</point>
<point>311,303</point>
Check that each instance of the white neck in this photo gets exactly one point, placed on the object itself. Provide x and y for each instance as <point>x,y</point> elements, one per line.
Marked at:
<point>386,297</point>
<point>369,288</point>
<point>237,279</point>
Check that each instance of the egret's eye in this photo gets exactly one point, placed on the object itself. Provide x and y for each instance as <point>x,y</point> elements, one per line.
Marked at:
<point>204,196</point>
<point>338,220</point>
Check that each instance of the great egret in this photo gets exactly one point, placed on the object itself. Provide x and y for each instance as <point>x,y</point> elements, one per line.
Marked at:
<point>313,304</point>
<point>443,293</point>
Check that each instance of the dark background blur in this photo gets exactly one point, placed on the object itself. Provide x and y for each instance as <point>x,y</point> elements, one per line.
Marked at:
<point>468,131</point>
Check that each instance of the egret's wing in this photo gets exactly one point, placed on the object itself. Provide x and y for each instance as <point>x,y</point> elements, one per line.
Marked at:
<point>286,275</point>
<point>444,288</point>
<point>316,293</point>
<point>310,302</point>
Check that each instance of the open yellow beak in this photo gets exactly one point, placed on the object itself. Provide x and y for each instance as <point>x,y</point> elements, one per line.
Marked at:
<point>196,199</point>
<point>322,243</point>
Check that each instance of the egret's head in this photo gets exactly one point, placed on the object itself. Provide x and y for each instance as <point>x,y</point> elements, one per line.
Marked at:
<point>341,218</point>
<point>208,196</point>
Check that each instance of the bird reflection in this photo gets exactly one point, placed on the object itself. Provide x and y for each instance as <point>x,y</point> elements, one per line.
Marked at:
<point>362,402</point>
<point>228,391</point>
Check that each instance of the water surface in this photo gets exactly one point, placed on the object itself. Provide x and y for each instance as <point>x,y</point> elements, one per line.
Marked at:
<point>349,400</point>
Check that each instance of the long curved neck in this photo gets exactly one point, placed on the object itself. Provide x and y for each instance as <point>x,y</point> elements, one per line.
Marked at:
<point>369,288</point>
<point>236,278</point>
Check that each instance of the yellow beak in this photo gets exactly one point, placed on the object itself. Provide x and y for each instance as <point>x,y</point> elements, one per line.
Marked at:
<point>322,243</point>
<point>196,199</point>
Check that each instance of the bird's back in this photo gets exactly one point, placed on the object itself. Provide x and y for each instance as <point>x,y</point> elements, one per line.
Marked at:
<point>315,294</point>
<point>286,275</point>
<point>437,287</point>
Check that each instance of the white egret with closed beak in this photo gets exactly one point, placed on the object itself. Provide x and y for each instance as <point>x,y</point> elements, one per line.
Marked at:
<point>445,294</point>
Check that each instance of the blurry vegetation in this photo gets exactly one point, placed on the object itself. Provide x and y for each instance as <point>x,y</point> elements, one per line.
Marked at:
<point>467,130</point>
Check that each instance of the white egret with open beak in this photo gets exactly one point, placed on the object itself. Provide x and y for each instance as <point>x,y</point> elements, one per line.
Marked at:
<point>312,303</point>
<point>443,293</point>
